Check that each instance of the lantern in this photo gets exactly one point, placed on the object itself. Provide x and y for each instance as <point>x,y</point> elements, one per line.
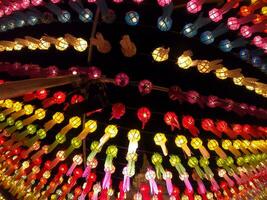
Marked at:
<point>215,15</point>
<point>121,80</point>
<point>94,73</point>
<point>233,23</point>
<point>193,6</point>
<point>196,143</point>
<point>189,123</point>
<point>61,44</point>
<point>256,61</point>
<point>245,11</point>
<point>132,18</point>
<point>118,110</point>
<point>208,125</point>
<point>214,146</point>
<point>190,30</point>
<point>171,119</point>
<point>185,61</point>
<point>143,115</point>
<point>76,99</point>
<point>145,87</point>
<point>164,3</point>
<point>207,37</point>
<point>110,132</point>
<point>225,45</point>
<point>86,15</point>
<point>181,142</point>
<point>160,54</point>
<point>164,23</point>
<point>244,54</point>
<point>246,31</point>
<point>160,140</point>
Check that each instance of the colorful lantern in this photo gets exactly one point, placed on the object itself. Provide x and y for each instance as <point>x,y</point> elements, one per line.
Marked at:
<point>181,142</point>
<point>145,87</point>
<point>164,23</point>
<point>143,115</point>
<point>128,47</point>
<point>213,145</point>
<point>171,119</point>
<point>160,140</point>
<point>189,123</point>
<point>132,18</point>
<point>121,80</point>
<point>160,54</point>
<point>196,143</point>
<point>118,110</point>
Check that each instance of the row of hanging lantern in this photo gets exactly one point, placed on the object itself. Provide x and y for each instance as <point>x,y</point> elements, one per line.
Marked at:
<point>145,87</point>
<point>20,172</point>
<point>246,14</point>
<point>204,66</point>
<point>144,114</point>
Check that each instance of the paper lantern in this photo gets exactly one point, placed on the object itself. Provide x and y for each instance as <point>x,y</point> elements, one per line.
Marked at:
<point>118,110</point>
<point>214,146</point>
<point>215,15</point>
<point>171,119</point>
<point>61,44</point>
<point>64,16</point>
<point>101,44</point>
<point>143,115</point>
<point>145,87</point>
<point>208,125</point>
<point>164,23</point>
<point>246,31</point>
<point>193,6</point>
<point>132,18</point>
<point>256,61</point>
<point>94,73</point>
<point>189,123</point>
<point>36,2</point>
<point>121,80</point>
<point>207,37</point>
<point>233,23</point>
<point>190,30</point>
<point>160,140</point>
<point>196,143</point>
<point>110,132</point>
<point>160,54</point>
<point>244,54</point>
<point>86,15</point>
<point>245,11</point>
<point>164,3</point>
<point>138,1</point>
<point>181,142</point>
<point>225,45</point>
<point>76,99</point>
<point>184,61</point>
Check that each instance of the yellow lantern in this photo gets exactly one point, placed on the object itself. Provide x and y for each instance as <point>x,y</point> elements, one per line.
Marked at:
<point>196,143</point>
<point>264,10</point>
<point>238,80</point>
<point>160,140</point>
<point>81,45</point>
<point>214,146</point>
<point>221,73</point>
<point>17,46</point>
<point>61,44</point>
<point>43,45</point>
<point>58,117</point>
<point>184,62</point>
<point>160,54</point>
<point>181,142</point>
<point>75,122</point>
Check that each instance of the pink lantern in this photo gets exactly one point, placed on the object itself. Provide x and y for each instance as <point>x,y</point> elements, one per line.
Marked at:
<point>145,87</point>
<point>122,80</point>
<point>74,71</point>
<point>164,3</point>
<point>233,23</point>
<point>91,1</point>
<point>36,2</point>
<point>7,10</point>
<point>138,1</point>
<point>55,1</point>
<point>194,6</point>
<point>171,119</point>
<point>25,4</point>
<point>215,15</point>
<point>1,13</point>
<point>143,115</point>
<point>117,1</point>
<point>246,31</point>
<point>175,93</point>
<point>192,96</point>
<point>94,73</point>
<point>118,110</point>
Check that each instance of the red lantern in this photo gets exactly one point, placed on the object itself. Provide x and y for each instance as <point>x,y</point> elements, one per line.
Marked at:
<point>238,129</point>
<point>77,192</point>
<point>223,127</point>
<point>145,87</point>
<point>121,80</point>
<point>208,125</point>
<point>76,99</point>
<point>144,190</point>
<point>143,115</point>
<point>176,193</point>
<point>224,186</point>
<point>171,119</point>
<point>189,123</point>
<point>118,110</point>
<point>41,94</point>
<point>248,131</point>
<point>74,71</point>
<point>94,73</point>
<point>189,193</point>
<point>58,98</point>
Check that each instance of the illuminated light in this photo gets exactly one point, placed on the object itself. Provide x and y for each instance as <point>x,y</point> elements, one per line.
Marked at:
<point>61,44</point>
<point>132,18</point>
<point>160,140</point>
<point>215,15</point>
<point>214,146</point>
<point>94,73</point>
<point>196,143</point>
<point>245,11</point>
<point>122,80</point>
<point>207,37</point>
<point>43,45</point>
<point>221,73</point>
<point>164,3</point>
<point>233,23</point>
<point>160,54</point>
<point>190,30</point>
<point>244,54</point>
<point>225,45</point>
<point>145,87</point>
<point>238,80</point>
<point>264,10</point>
<point>143,115</point>
<point>86,15</point>
<point>193,6</point>
<point>164,23</point>
<point>181,142</point>
<point>185,61</point>
<point>246,31</point>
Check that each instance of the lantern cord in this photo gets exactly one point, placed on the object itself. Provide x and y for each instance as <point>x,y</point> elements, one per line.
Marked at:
<point>90,52</point>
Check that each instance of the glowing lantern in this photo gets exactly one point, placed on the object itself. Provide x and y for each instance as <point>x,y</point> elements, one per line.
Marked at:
<point>160,140</point>
<point>164,23</point>
<point>160,54</point>
<point>118,110</point>
<point>164,3</point>
<point>86,15</point>
<point>41,94</point>
<point>214,146</point>
<point>94,73</point>
<point>185,61</point>
<point>189,30</point>
<point>246,31</point>
<point>189,123</point>
<point>61,44</point>
<point>225,45</point>
<point>36,2</point>
<point>245,11</point>
<point>145,87</point>
<point>238,80</point>
<point>79,44</point>
<point>227,145</point>
<point>77,160</point>
<point>181,142</point>
<point>233,23</point>
<point>193,163</point>
<point>244,54</point>
<point>196,143</point>
<point>121,80</point>
<point>207,37</point>
<point>143,115</point>
<point>194,6</point>
<point>150,176</point>
<point>208,125</point>
<point>171,119</point>
<point>110,132</point>
<point>132,18</point>
<point>76,99</point>
<point>215,15</point>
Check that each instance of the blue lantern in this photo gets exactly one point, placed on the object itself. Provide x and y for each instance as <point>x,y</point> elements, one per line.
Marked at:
<point>244,54</point>
<point>207,37</point>
<point>20,23</point>
<point>64,16</point>
<point>164,23</point>
<point>189,30</point>
<point>86,15</point>
<point>132,18</point>
<point>225,45</point>
<point>32,20</point>
<point>256,61</point>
